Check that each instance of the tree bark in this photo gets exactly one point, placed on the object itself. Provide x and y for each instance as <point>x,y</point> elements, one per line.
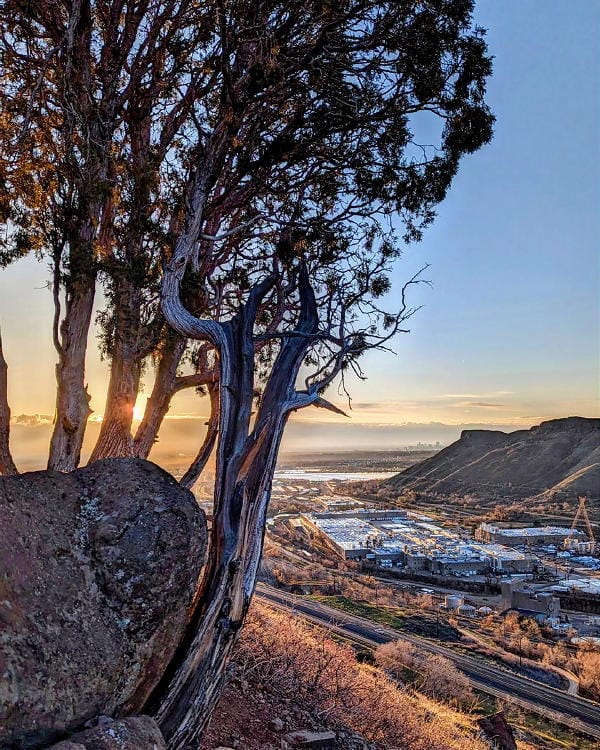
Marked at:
<point>159,401</point>
<point>195,678</point>
<point>115,438</point>
<point>185,698</point>
<point>72,398</point>
<point>237,542</point>
<point>7,465</point>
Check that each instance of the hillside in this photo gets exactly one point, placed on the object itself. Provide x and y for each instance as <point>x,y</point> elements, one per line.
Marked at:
<point>560,457</point>
<point>289,676</point>
<point>289,679</point>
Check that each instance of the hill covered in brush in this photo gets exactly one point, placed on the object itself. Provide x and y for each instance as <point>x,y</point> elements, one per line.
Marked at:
<point>558,457</point>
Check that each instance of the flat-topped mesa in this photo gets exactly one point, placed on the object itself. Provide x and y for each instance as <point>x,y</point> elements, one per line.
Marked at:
<point>577,424</point>
<point>485,437</point>
<point>560,455</point>
<point>99,568</point>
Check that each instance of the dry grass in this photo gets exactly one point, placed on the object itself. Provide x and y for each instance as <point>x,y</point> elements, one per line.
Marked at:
<point>303,663</point>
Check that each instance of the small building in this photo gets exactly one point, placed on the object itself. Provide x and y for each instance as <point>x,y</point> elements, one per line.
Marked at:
<point>388,557</point>
<point>541,605</point>
<point>503,560</point>
<point>344,503</point>
<point>468,565</point>
<point>417,561</point>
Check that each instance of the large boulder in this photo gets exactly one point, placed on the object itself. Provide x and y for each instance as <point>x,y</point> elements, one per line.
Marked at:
<point>97,572</point>
<point>134,733</point>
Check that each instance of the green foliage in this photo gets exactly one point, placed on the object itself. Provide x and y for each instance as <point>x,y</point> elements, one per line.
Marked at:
<point>306,126</point>
<point>424,624</point>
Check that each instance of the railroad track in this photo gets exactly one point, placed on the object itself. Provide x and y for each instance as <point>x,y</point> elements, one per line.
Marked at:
<point>574,712</point>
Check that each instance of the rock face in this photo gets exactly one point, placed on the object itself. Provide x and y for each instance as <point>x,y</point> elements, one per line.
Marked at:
<point>562,454</point>
<point>313,740</point>
<point>97,572</point>
<point>134,733</point>
<point>499,731</point>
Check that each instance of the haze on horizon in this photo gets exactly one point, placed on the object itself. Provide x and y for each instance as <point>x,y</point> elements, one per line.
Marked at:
<point>509,334</point>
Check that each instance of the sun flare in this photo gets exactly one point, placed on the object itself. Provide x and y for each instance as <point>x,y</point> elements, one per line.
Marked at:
<point>138,412</point>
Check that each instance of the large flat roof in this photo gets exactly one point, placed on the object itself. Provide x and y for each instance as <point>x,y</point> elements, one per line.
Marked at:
<point>365,529</point>
<point>529,530</point>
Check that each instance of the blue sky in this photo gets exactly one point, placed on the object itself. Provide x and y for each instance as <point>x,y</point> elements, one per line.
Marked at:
<point>513,316</point>
<point>509,333</point>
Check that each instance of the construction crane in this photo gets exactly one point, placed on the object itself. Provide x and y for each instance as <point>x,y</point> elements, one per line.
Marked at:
<point>582,514</point>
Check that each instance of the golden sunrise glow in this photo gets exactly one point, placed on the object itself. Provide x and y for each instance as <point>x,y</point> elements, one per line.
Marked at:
<point>138,409</point>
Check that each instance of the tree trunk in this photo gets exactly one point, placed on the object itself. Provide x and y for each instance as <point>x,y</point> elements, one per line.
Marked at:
<point>7,465</point>
<point>159,402</point>
<point>190,688</point>
<point>189,479</point>
<point>72,398</point>
<point>86,132</point>
<point>115,437</point>
<point>236,548</point>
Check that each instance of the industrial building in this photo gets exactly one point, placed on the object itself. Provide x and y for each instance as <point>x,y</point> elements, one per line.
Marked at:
<point>396,538</point>
<point>541,605</point>
<point>535,535</point>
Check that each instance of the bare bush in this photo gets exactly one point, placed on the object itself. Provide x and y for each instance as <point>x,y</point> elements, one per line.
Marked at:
<point>588,662</point>
<point>437,676</point>
<point>302,663</point>
<point>441,679</point>
<point>396,656</point>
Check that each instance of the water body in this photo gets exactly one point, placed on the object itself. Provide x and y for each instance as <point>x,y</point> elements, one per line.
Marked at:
<point>302,475</point>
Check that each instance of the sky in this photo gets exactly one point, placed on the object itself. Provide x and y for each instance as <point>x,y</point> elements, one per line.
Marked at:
<point>507,335</point>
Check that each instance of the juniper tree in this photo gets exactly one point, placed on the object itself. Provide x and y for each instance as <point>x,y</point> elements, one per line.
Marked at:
<point>295,169</point>
<point>340,157</point>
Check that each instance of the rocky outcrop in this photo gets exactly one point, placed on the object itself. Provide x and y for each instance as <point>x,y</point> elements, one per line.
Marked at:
<point>562,454</point>
<point>313,740</point>
<point>497,729</point>
<point>134,733</point>
<point>97,572</point>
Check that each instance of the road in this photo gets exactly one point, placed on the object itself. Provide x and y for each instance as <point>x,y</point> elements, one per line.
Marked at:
<point>439,591</point>
<point>574,712</point>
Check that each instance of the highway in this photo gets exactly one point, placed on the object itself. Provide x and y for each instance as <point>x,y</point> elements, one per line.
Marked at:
<point>572,711</point>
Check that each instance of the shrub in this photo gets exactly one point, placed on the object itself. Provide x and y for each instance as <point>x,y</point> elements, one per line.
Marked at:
<point>301,662</point>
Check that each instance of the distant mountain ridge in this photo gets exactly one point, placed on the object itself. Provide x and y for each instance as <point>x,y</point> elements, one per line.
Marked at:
<point>561,455</point>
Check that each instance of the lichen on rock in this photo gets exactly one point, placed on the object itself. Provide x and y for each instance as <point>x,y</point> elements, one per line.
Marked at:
<point>97,572</point>
<point>133,733</point>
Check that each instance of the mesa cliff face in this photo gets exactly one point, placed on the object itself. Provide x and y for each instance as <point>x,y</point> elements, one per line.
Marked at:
<point>558,455</point>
